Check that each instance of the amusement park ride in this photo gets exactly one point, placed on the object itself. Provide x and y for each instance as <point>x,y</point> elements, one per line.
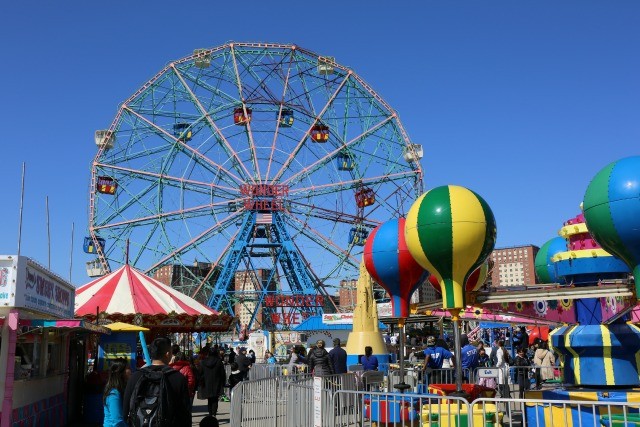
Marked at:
<point>250,157</point>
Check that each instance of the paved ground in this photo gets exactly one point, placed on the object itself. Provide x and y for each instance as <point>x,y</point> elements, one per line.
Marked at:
<point>200,410</point>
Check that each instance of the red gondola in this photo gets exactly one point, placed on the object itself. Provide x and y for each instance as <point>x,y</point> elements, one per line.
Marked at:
<point>320,133</point>
<point>239,117</point>
<point>365,197</point>
<point>106,185</point>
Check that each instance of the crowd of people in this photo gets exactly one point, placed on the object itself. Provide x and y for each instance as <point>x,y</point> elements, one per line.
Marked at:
<point>318,360</point>
<point>533,365</point>
<point>165,389</point>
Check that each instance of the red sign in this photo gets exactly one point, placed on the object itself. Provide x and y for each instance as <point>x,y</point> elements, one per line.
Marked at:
<point>264,197</point>
<point>264,190</point>
<point>293,301</point>
<point>289,319</point>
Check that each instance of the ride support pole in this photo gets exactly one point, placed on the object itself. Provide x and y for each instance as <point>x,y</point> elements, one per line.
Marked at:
<point>455,318</point>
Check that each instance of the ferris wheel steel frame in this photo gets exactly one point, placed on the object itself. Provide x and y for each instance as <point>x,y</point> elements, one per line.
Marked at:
<point>176,191</point>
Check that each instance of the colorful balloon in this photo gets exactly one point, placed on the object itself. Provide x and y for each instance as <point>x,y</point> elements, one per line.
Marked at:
<point>450,232</point>
<point>391,265</point>
<point>612,211</point>
<point>545,268</point>
<point>474,282</point>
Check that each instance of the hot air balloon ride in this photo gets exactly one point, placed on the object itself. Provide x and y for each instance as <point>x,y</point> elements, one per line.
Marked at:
<point>450,231</point>
<point>389,262</point>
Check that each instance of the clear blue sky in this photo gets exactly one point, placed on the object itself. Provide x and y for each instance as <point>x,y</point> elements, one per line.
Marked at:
<point>521,101</point>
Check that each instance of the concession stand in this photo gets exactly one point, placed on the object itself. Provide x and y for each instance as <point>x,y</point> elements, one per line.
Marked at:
<point>42,361</point>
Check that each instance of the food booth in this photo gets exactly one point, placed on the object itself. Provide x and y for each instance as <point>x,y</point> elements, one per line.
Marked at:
<point>42,361</point>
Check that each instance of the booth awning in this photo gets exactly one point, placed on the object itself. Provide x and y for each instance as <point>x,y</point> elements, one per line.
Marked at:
<point>315,323</point>
<point>77,324</point>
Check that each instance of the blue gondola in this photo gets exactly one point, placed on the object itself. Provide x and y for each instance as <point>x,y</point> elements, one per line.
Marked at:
<point>182,131</point>
<point>357,236</point>
<point>286,118</point>
<point>345,162</point>
<point>89,246</point>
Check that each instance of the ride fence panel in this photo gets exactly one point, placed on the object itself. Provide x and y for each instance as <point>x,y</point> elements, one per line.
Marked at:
<point>267,370</point>
<point>370,409</point>
<point>262,402</point>
<point>300,409</point>
<point>547,413</point>
<point>411,377</point>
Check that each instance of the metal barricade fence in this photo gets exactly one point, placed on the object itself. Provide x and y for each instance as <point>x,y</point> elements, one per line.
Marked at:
<point>262,402</point>
<point>368,409</point>
<point>300,412</point>
<point>561,413</point>
<point>266,370</point>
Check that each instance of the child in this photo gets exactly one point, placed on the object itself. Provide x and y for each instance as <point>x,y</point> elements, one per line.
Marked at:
<point>236,376</point>
<point>112,397</point>
<point>483,362</point>
<point>522,372</point>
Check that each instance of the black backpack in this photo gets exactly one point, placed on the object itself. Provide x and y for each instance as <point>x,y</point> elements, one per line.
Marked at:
<point>150,404</point>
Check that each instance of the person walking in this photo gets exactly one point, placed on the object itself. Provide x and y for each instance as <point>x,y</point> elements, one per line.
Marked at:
<point>174,405</point>
<point>338,357</point>
<point>318,361</point>
<point>235,377</point>
<point>112,397</point>
<point>182,365</point>
<point>244,363</point>
<point>214,378</point>
<point>368,361</point>
<point>434,357</point>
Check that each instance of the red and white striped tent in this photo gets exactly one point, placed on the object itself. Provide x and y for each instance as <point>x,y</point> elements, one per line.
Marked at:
<point>127,295</point>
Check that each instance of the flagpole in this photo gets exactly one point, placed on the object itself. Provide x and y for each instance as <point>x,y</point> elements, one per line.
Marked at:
<point>71,251</point>
<point>48,233</point>
<point>21,206</point>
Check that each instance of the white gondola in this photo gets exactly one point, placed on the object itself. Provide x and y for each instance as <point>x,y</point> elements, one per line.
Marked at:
<point>95,268</point>
<point>413,152</point>
<point>202,59</point>
<point>325,64</point>
<point>104,139</point>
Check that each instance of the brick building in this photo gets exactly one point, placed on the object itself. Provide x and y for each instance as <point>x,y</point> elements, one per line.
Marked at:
<point>514,266</point>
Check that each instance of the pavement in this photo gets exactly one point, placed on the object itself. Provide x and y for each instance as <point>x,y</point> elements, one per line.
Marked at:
<point>199,411</point>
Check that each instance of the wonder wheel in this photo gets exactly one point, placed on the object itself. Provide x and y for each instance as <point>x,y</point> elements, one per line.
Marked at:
<point>249,176</point>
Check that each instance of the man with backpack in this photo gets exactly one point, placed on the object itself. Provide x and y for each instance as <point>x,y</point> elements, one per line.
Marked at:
<point>157,395</point>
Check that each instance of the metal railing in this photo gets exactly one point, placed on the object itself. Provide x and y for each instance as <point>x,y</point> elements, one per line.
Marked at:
<point>262,402</point>
<point>289,401</point>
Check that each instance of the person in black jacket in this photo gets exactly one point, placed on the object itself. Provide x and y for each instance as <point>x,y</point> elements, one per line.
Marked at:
<point>160,352</point>
<point>244,363</point>
<point>522,372</point>
<point>318,360</point>
<point>338,358</point>
<point>214,378</point>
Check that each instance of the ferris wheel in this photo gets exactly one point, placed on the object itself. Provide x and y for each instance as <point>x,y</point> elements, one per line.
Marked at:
<point>251,173</point>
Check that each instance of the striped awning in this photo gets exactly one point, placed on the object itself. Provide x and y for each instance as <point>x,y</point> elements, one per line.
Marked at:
<point>78,324</point>
<point>127,295</point>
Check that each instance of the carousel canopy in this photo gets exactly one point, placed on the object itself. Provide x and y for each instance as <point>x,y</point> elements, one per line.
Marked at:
<point>129,296</point>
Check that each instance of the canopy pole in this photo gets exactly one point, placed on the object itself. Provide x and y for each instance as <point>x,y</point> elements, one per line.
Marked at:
<point>145,349</point>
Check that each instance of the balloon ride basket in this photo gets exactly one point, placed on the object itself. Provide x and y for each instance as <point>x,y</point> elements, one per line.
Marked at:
<point>550,414</point>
